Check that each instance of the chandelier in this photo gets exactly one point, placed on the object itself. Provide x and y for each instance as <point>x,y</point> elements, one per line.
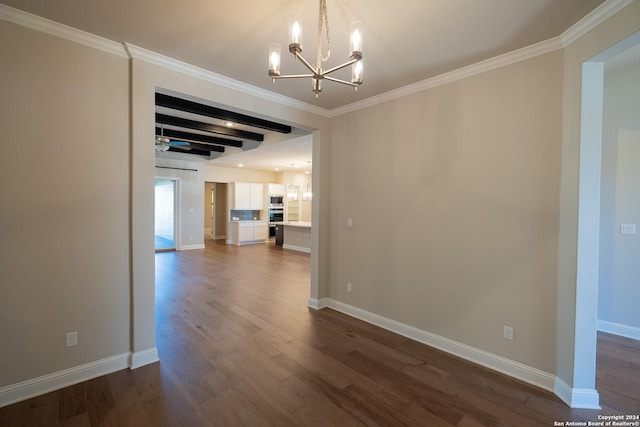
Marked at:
<point>317,74</point>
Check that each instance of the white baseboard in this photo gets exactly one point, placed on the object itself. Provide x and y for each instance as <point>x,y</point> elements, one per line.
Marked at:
<point>619,329</point>
<point>144,357</point>
<point>508,367</point>
<point>35,387</point>
<point>318,304</point>
<point>296,248</point>
<point>191,247</point>
<point>575,397</point>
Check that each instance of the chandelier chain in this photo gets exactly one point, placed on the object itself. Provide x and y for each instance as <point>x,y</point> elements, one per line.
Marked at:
<point>324,19</point>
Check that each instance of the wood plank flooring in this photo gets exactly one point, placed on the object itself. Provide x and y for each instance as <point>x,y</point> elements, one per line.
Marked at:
<point>239,347</point>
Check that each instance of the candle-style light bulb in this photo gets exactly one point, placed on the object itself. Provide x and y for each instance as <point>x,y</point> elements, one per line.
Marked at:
<point>295,34</point>
<point>274,59</point>
<point>296,30</point>
<point>355,40</point>
<point>356,73</point>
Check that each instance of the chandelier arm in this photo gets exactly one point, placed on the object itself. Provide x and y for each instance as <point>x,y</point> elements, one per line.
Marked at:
<point>333,79</point>
<point>346,64</point>
<point>306,63</point>
<point>293,76</point>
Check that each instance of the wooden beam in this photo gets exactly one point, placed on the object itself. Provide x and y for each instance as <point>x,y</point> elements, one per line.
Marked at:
<point>208,127</point>
<point>204,147</point>
<point>192,151</point>
<point>197,137</point>
<point>175,103</point>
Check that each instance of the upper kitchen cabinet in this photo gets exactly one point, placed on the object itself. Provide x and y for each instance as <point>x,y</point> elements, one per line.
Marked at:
<point>275,189</point>
<point>247,196</point>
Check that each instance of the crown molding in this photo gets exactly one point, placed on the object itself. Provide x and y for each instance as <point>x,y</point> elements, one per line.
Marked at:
<point>452,76</point>
<point>593,19</point>
<point>136,52</point>
<point>597,16</point>
<point>60,30</point>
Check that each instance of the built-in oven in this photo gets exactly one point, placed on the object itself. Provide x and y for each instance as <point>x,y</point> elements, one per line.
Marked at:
<point>276,215</point>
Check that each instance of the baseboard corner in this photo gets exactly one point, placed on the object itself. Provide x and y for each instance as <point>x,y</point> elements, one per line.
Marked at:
<point>144,357</point>
<point>577,398</point>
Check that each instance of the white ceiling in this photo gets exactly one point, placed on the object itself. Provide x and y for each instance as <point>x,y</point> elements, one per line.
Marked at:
<point>405,41</point>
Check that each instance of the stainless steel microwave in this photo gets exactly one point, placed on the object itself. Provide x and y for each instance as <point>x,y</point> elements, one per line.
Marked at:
<point>276,200</point>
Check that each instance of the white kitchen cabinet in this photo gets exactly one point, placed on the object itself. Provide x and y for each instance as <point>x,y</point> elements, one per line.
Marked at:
<point>244,232</point>
<point>261,232</point>
<point>257,197</point>
<point>275,189</point>
<point>247,196</point>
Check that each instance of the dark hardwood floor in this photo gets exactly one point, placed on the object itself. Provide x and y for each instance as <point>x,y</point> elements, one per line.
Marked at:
<point>239,347</point>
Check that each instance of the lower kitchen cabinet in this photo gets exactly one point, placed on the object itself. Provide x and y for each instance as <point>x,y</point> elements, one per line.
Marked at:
<point>244,232</point>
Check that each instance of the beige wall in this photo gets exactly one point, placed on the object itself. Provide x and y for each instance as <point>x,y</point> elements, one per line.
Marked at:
<point>458,236</point>
<point>64,263</point>
<point>224,174</point>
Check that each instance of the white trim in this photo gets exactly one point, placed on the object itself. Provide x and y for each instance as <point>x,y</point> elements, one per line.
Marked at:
<point>597,16</point>
<point>577,398</point>
<point>628,331</point>
<point>44,25</point>
<point>318,304</point>
<point>452,76</point>
<point>191,247</point>
<point>508,367</point>
<point>57,380</point>
<point>144,357</point>
<point>593,19</point>
<point>296,248</point>
<point>140,53</point>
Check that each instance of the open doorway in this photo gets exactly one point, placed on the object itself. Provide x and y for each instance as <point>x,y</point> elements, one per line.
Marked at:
<point>589,222</point>
<point>215,208</point>
<point>165,215</point>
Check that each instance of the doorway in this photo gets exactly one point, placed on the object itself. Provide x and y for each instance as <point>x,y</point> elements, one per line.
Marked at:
<point>165,215</point>
<point>589,206</point>
<point>215,211</point>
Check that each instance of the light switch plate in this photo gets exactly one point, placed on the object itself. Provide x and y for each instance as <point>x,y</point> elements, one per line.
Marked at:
<point>627,229</point>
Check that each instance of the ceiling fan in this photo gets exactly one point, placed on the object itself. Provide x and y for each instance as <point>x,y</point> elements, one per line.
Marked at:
<point>163,143</point>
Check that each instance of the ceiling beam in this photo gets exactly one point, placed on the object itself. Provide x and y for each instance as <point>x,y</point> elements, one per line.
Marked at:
<point>205,153</point>
<point>179,135</point>
<point>175,103</point>
<point>208,127</point>
<point>203,147</point>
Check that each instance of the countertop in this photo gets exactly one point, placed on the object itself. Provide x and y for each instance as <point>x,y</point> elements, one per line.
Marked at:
<point>301,224</point>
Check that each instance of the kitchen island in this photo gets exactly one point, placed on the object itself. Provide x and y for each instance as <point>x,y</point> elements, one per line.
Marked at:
<point>297,235</point>
<point>246,232</point>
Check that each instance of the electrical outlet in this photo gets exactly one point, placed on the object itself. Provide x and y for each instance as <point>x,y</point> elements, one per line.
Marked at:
<point>72,339</point>
<point>507,333</point>
<point>348,287</point>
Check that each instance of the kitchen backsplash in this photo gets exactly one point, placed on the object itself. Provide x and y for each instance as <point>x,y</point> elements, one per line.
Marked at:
<point>245,215</point>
